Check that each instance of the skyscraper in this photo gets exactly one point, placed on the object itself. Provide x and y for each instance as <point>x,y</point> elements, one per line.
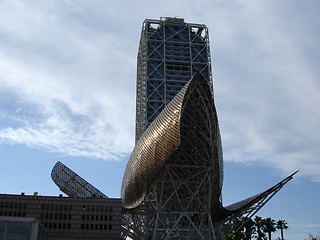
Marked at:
<point>170,53</point>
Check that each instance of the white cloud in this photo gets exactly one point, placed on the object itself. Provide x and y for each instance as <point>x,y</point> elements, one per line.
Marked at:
<point>71,94</point>
<point>71,66</point>
<point>267,103</point>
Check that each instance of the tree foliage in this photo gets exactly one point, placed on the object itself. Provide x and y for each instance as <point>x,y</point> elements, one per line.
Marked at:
<point>258,228</point>
<point>268,226</point>
<point>282,225</point>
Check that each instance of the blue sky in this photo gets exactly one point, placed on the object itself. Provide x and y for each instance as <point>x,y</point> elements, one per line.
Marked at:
<point>67,93</point>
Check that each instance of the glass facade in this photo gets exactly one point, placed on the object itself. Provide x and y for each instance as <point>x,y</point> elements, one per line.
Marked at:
<point>2,230</point>
<point>17,229</point>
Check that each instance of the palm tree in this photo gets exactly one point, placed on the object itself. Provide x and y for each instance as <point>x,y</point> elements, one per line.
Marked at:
<point>281,224</point>
<point>258,222</point>
<point>249,229</point>
<point>269,226</point>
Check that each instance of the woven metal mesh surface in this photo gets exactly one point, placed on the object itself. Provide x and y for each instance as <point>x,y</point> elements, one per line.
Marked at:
<point>152,150</point>
<point>72,184</point>
<point>175,171</point>
<point>159,143</point>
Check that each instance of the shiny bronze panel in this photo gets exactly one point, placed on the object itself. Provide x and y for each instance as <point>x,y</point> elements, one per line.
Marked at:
<point>163,137</point>
<point>183,188</point>
<point>151,152</point>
